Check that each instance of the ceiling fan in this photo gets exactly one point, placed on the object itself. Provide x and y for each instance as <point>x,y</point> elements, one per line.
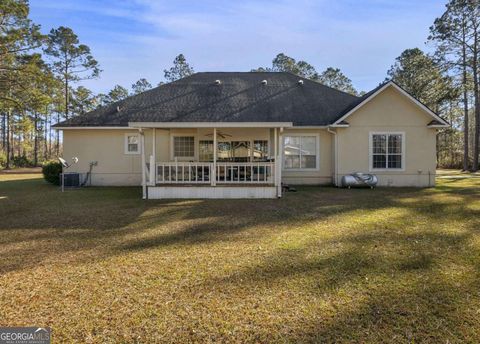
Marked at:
<point>220,134</point>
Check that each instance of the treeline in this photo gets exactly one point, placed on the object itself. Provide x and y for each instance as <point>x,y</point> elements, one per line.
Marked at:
<point>456,38</point>
<point>38,74</point>
<point>41,75</point>
<point>447,80</point>
<point>332,77</point>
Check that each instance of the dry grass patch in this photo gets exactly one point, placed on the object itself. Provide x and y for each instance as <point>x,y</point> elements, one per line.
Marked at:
<point>320,265</point>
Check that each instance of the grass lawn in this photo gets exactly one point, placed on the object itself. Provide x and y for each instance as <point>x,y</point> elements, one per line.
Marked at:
<point>319,265</point>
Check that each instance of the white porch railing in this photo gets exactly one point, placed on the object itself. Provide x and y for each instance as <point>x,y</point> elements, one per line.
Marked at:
<point>245,172</point>
<point>226,173</point>
<point>184,172</point>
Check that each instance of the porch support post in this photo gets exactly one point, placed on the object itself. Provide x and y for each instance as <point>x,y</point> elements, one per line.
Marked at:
<point>213,174</point>
<point>278,163</point>
<point>154,144</point>
<point>275,142</point>
<point>153,160</point>
<point>144,171</point>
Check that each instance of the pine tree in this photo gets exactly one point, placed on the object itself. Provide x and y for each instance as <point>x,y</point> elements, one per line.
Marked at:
<point>180,69</point>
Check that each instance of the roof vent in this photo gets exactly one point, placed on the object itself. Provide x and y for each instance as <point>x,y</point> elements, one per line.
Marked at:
<point>264,82</point>
<point>217,82</point>
<point>118,108</point>
<point>300,82</point>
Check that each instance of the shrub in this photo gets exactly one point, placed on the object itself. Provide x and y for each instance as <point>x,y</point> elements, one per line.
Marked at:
<point>51,172</point>
<point>21,161</point>
<point>3,159</point>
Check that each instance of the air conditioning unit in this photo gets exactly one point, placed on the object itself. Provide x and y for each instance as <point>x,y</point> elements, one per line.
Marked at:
<point>71,180</point>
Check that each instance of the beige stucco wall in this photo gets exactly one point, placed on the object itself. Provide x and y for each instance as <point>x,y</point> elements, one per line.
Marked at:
<point>107,147</point>
<point>390,111</point>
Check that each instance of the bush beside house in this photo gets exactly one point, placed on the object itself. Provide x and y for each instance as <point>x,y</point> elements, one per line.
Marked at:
<point>51,172</point>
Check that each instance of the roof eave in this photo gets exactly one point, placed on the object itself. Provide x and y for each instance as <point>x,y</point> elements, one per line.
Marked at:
<point>88,127</point>
<point>210,124</point>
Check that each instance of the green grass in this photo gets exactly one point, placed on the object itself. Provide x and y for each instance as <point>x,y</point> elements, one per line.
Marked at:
<point>319,265</point>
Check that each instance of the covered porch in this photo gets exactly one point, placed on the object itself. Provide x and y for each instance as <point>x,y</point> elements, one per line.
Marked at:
<point>211,160</point>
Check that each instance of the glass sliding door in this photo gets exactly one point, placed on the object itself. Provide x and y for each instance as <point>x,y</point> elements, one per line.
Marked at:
<point>241,151</point>
<point>233,151</point>
<point>224,151</point>
<point>205,150</point>
<point>260,150</point>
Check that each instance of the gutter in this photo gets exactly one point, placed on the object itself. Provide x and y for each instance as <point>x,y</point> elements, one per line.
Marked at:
<point>90,128</point>
<point>210,124</point>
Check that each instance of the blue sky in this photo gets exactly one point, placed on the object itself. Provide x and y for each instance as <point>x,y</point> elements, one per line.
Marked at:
<point>140,38</point>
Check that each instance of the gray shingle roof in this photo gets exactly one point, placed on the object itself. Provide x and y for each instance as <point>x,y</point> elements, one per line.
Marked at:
<point>240,97</point>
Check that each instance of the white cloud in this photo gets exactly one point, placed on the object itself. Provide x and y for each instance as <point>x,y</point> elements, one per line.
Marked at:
<point>361,38</point>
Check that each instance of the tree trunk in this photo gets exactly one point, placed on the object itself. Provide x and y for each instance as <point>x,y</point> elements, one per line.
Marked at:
<point>465,104</point>
<point>35,140</point>
<point>66,98</point>
<point>477,103</point>
<point>50,136</point>
<point>4,131</point>
<point>8,139</point>
<point>465,130</point>
<point>45,139</point>
<point>451,138</point>
<point>57,137</point>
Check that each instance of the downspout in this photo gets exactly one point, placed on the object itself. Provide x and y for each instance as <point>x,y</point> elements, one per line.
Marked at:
<point>213,172</point>
<point>335,155</point>
<point>275,150</point>
<point>279,162</point>
<point>142,150</point>
<point>153,160</point>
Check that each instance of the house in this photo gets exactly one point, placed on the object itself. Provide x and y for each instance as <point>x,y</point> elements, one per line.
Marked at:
<point>268,129</point>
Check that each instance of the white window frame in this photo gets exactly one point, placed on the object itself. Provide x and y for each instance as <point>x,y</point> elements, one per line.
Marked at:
<point>370,149</point>
<point>183,158</point>
<point>296,134</point>
<point>126,151</point>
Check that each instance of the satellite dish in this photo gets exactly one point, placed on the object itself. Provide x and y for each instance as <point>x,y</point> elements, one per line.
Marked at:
<point>63,162</point>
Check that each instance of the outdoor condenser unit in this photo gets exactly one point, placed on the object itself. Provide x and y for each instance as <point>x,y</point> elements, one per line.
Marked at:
<point>71,180</point>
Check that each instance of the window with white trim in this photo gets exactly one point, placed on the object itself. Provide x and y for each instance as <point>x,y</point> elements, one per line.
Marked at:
<point>387,151</point>
<point>132,143</point>
<point>300,152</point>
<point>183,146</point>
